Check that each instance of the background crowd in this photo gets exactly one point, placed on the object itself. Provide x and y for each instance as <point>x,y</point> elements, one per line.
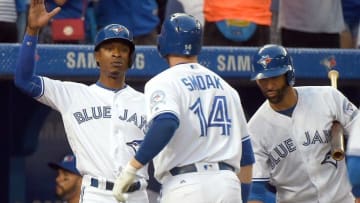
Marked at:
<point>309,24</point>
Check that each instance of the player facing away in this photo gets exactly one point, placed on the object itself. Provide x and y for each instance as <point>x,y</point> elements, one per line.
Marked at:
<point>290,133</point>
<point>105,121</point>
<point>198,132</point>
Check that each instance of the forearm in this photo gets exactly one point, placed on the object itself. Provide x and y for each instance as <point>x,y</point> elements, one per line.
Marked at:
<point>25,78</point>
<point>159,134</point>
<point>245,174</point>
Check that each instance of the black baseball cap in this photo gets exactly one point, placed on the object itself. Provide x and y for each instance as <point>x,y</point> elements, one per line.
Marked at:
<point>68,163</point>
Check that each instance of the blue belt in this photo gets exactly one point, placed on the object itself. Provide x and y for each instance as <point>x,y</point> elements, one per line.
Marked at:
<point>109,185</point>
<point>192,168</point>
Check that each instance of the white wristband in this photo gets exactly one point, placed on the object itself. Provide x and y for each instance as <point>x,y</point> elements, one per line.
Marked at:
<point>130,169</point>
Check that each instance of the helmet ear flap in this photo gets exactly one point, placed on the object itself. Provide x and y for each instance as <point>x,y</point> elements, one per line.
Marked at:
<point>291,73</point>
<point>290,76</point>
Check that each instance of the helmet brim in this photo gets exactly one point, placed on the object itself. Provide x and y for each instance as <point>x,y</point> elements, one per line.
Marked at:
<point>115,38</point>
<point>269,73</point>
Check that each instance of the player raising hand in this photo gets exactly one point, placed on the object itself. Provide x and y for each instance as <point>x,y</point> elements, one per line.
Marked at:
<point>38,15</point>
<point>104,121</point>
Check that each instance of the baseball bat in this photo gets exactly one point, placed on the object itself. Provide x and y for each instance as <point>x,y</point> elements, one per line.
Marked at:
<point>337,141</point>
<point>337,133</point>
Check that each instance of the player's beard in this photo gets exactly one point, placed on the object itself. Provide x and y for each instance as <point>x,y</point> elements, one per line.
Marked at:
<point>279,96</point>
<point>65,194</point>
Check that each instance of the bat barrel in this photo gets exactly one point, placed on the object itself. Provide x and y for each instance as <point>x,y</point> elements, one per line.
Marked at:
<point>338,155</point>
<point>337,142</point>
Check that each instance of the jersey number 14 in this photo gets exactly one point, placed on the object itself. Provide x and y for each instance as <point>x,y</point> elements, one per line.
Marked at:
<point>218,117</point>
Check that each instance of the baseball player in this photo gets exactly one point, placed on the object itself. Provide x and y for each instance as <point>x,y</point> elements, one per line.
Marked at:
<point>198,129</point>
<point>353,163</point>
<point>68,179</point>
<point>104,122</point>
<point>291,134</point>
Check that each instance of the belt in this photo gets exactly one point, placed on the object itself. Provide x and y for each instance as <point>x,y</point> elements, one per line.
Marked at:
<point>204,167</point>
<point>109,185</point>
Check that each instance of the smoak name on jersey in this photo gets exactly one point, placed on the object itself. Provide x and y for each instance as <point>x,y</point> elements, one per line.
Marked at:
<point>201,82</point>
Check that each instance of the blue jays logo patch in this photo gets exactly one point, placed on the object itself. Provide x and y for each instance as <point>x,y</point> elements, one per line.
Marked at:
<point>264,61</point>
<point>135,144</point>
<point>68,158</point>
<point>329,160</point>
<point>117,30</point>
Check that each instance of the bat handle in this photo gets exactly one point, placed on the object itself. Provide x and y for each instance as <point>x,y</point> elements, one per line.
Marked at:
<point>333,76</point>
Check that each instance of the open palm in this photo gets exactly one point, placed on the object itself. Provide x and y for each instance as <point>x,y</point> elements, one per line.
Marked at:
<point>38,15</point>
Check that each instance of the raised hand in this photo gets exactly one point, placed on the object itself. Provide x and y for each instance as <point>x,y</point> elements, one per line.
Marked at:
<point>38,16</point>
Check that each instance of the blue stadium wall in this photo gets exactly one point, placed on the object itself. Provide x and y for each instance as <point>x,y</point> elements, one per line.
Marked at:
<point>33,135</point>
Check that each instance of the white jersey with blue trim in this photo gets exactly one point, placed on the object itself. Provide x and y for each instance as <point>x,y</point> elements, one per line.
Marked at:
<point>212,123</point>
<point>353,146</point>
<point>294,153</point>
<point>104,128</point>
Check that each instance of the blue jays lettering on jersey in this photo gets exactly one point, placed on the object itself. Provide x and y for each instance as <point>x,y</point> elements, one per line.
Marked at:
<point>296,156</point>
<point>319,137</point>
<point>104,112</point>
<point>114,127</point>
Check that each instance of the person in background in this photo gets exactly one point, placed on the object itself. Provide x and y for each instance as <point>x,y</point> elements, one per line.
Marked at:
<point>311,23</point>
<point>68,179</point>
<point>70,10</point>
<point>21,8</point>
<point>237,23</point>
<point>139,16</point>
<point>351,11</point>
<point>8,17</point>
<point>194,8</point>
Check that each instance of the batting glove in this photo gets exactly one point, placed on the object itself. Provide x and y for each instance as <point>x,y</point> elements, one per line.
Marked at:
<point>123,182</point>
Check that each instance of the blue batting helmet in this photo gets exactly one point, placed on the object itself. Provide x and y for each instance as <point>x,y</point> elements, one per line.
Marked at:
<point>116,32</point>
<point>181,34</point>
<point>273,60</point>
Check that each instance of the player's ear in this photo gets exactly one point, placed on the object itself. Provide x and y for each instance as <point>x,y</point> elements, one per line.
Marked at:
<point>97,56</point>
